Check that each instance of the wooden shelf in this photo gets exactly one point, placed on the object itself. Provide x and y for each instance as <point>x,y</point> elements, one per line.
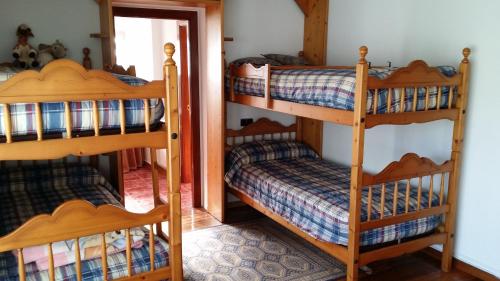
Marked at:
<point>99,35</point>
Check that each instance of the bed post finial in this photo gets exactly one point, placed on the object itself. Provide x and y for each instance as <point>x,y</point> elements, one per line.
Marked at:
<point>466,53</point>
<point>169,49</point>
<point>363,51</point>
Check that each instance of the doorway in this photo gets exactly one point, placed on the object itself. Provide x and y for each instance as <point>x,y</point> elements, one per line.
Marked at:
<point>140,35</point>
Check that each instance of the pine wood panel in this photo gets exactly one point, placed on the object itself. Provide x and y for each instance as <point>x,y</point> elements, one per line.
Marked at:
<point>107,32</point>
<point>216,111</point>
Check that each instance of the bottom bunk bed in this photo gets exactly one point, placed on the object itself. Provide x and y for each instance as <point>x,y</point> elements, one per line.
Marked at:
<point>26,192</point>
<point>401,208</point>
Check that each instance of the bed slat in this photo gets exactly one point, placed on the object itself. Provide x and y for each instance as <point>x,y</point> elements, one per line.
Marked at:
<point>95,116</point>
<point>426,98</point>
<point>151,248</point>
<point>402,100</point>
<point>431,190</point>
<point>395,199</point>
<point>382,201</point>
<point>67,119</point>
<point>147,116</point>
<point>375,101</point>
<point>407,200</point>
<point>450,97</point>
<point>128,252</point>
<point>389,100</point>
<point>52,276</point>
<point>78,260</point>
<point>438,102</point>
<point>7,122</point>
<point>39,123</point>
<point>419,191</point>
<point>415,99</point>
<point>20,265</point>
<point>441,190</point>
<point>104,257</point>
<point>122,117</point>
<point>369,208</point>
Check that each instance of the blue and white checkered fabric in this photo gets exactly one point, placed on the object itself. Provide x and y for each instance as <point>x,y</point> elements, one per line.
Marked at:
<point>335,88</point>
<point>29,191</point>
<point>23,114</point>
<point>313,195</point>
<point>256,151</point>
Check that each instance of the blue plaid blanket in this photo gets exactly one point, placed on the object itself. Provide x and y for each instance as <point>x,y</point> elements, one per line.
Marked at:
<point>24,123</point>
<point>313,195</point>
<point>335,88</point>
<point>29,191</point>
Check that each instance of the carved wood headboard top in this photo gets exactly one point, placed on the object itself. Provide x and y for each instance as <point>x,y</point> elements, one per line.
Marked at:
<point>262,129</point>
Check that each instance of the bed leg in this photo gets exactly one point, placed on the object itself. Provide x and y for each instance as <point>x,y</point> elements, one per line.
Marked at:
<point>358,141</point>
<point>173,163</point>
<point>456,157</point>
<point>352,271</point>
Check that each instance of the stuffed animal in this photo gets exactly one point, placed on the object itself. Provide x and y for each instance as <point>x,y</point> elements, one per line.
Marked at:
<point>48,53</point>
<point>24,55</point>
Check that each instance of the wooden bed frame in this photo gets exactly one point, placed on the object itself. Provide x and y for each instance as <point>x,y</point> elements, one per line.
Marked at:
<point>66,81</point>
<point>416,75</point>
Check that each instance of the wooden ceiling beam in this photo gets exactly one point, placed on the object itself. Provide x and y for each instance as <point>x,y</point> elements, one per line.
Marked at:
<point>304,6</point>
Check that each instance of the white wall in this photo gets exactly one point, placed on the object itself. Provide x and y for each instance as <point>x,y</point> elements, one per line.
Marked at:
<point>436,31</point>
<point>70,21</point>
<point>258,27</point>
<point>401,31</point>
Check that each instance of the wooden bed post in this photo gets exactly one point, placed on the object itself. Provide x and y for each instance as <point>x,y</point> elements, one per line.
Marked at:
<point>358,140</point>
<point>456,155</point>
<point>173,162</point>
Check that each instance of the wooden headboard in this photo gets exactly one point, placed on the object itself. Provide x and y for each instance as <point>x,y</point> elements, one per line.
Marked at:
<point>262,129</point>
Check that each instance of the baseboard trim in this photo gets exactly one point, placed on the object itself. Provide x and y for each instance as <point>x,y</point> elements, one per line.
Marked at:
<point>463,266</point>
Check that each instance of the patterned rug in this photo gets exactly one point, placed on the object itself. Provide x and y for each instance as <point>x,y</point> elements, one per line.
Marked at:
<point>257,250</point>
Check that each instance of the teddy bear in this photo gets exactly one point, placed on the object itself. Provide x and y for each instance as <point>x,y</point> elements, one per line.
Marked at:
<point>25,56</point>
<point>48,53</point>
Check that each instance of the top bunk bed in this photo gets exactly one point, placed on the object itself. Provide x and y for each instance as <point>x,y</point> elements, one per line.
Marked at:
<point>63,108</point>
<point>416,93</point>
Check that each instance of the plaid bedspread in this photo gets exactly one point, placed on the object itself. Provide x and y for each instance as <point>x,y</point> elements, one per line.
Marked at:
<point>313,195</point>
<point>335,88</point>
<point>23,114</point>
<point>29,191</point>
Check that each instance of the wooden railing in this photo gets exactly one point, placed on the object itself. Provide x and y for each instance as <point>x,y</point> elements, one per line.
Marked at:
<point>76,219</point>
<point>396,181</point>
<point>66,81</point>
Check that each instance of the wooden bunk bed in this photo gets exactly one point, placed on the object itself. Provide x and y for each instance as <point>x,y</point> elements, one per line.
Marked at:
<point>67,82</point>
<point>365,210</point>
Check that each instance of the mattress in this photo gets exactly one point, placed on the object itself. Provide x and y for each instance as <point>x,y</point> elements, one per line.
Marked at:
<point>335,88</point>
<point>26,192</point>
<point>313,194</point>
<point>24,120</point>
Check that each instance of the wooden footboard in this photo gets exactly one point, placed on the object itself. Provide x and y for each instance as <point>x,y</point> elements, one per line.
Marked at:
<point>76,219</point>
<point>411,173</point>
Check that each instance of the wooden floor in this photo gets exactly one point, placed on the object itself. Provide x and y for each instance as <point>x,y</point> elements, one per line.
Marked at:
<point>415,267</point>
